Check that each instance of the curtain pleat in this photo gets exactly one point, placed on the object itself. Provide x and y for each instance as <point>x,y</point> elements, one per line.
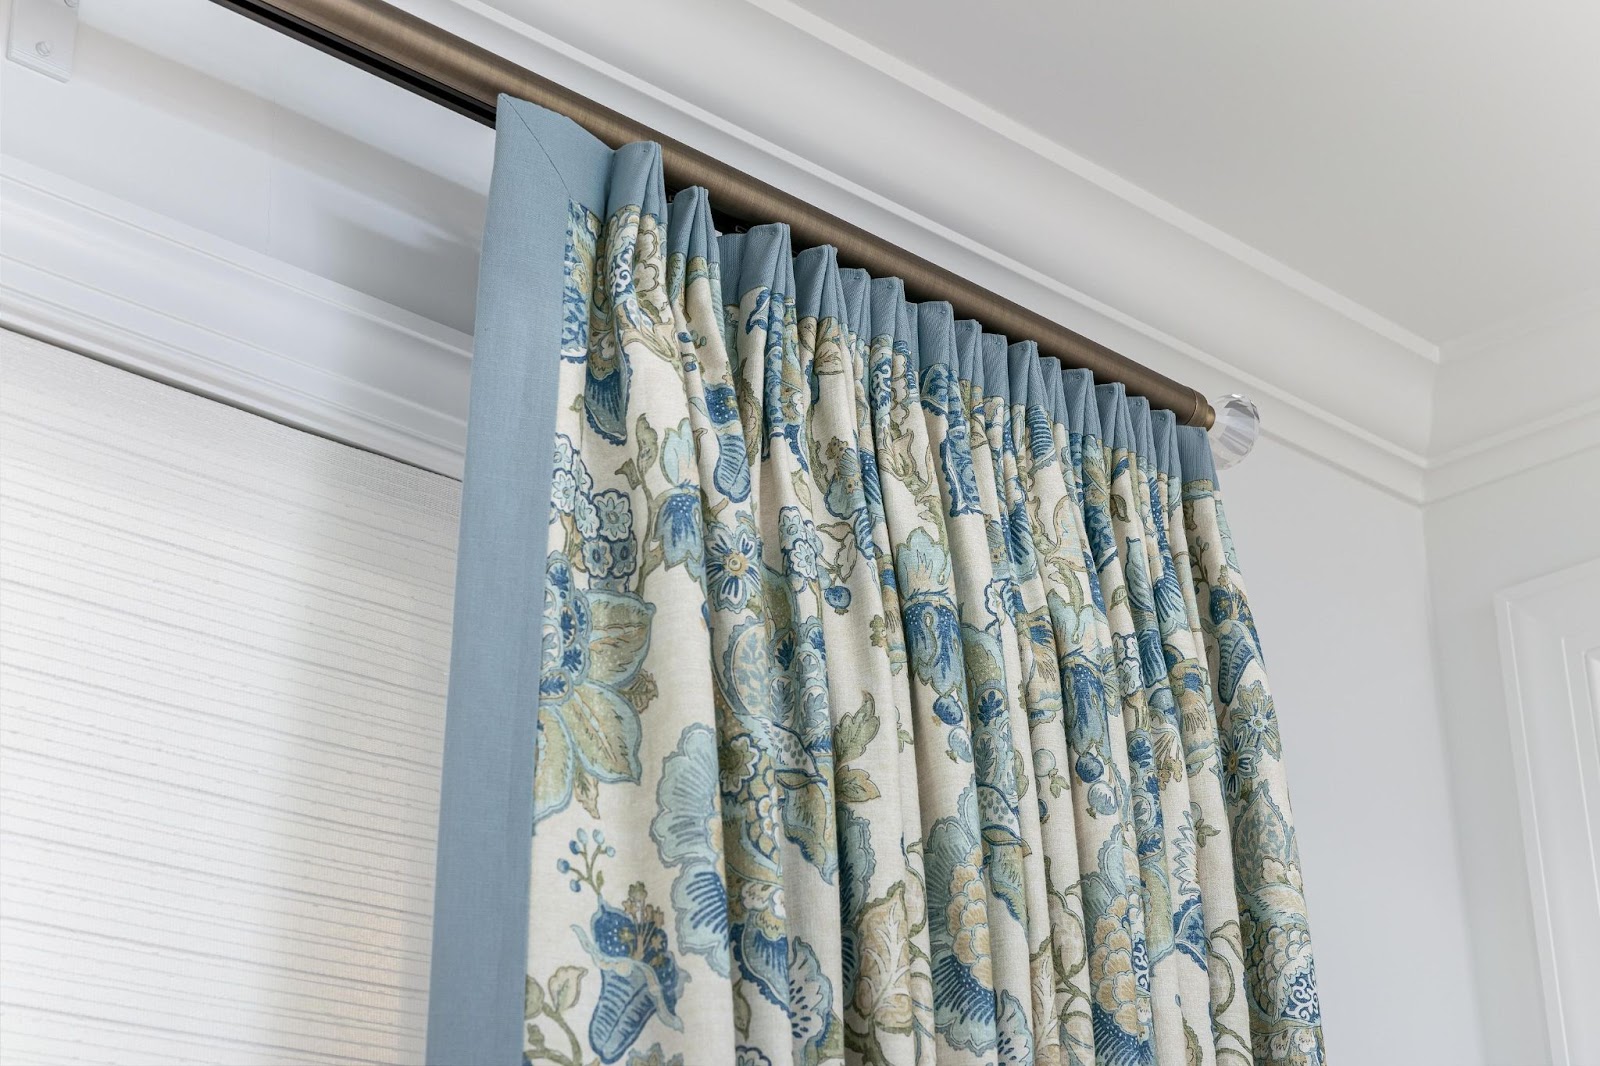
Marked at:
<point>899,700</point>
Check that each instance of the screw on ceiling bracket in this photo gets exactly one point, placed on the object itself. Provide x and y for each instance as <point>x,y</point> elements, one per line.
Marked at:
<point>42,35</point>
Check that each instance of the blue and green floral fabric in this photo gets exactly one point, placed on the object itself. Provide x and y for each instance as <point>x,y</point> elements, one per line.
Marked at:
<point>899,703</point>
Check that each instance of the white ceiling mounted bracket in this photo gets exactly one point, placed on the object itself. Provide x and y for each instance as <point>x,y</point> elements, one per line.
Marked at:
<point>43,34</point>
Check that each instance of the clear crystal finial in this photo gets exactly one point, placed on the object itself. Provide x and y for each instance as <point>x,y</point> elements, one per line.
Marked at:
<point>1234,431</point>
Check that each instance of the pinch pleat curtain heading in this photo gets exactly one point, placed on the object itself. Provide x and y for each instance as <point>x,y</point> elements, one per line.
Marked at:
<point>834,681</point>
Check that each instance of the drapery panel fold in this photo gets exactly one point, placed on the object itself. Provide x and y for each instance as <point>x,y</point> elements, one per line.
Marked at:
<point>898,697</point>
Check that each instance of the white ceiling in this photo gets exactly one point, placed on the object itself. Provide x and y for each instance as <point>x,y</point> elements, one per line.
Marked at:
<point>1437,161</point>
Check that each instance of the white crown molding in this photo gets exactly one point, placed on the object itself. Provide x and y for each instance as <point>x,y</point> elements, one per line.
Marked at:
<point>1508,453</point>
<point>1523,392</point>
<point>862,138</point>
<point>107,278</point>
<point>1057,154</point>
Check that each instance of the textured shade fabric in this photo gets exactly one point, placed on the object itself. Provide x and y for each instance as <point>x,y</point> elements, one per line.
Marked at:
<point>898,697</point>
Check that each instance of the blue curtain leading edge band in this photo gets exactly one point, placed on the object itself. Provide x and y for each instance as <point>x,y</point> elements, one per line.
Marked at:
<point>486,803</point>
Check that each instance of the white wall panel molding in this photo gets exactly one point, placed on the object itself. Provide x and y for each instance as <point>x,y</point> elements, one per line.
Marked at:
<point>105,277</point>
<point>1550,657</point>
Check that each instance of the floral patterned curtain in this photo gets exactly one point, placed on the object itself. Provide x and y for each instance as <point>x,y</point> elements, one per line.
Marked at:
<point>898,698</point>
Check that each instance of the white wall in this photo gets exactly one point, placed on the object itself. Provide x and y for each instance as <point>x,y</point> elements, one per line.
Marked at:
<point>221,672</point>
<point>1479,543</point>
<point>1338,581</point>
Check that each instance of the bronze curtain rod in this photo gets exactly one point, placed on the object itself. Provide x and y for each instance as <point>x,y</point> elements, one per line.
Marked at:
<point>456,73</point>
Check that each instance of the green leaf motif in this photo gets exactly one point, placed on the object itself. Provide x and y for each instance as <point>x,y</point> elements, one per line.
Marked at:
<point>741,1009</point>
<point>605,732</point>
<point>1192,1056</point>
<point>855,785</point>
<point>856,730</point>
<point>586,790</point>
<point>566,985</point>
<point>649,443</point>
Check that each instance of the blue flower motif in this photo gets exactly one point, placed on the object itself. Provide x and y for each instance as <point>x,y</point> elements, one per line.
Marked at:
<point>1240,762</point>
<point>1254,720</point>
<point>801,549</point>
<point>941,395</point>
<point>595,642</point>
<point>933,629</point>
<point>688,835</point>
<point>879,372</point>
<point>615,514</point>
<point>869,481</point>
<point>722,405</point>
<point>733,563</point>
<point>678,524</point>
<point>845,492</point>
<point>1019,538</point>
<point>577,281</point>
<point>585,519</point>
<point>632,284</point>
<point>731,474</point>
<point>857,862</point>
<point>611,563</point>
<point>639,978</point>
<point>1097,525</point>
<point>569,480</point>
<point>1041,440</point>
<point>1014,1041</point>
<point>1237,646</point>
<point>955,459</point>
<point>810,1007</point>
